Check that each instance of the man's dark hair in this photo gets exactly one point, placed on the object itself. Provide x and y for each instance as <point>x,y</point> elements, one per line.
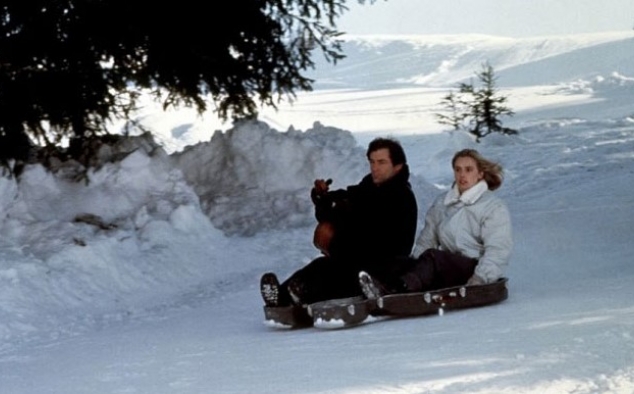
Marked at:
<point>397,154</point>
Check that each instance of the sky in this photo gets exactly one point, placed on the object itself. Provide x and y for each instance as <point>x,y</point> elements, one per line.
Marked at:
<point>507,18</point>
<point>143,277</point>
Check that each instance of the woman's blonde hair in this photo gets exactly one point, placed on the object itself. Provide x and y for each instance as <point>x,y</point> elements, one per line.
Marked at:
<point>493,172</point>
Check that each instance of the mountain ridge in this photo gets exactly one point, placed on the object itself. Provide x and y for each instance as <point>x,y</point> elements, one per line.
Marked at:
<point>441,61</point>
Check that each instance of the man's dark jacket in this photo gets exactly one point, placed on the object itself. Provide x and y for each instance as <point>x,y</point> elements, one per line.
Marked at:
<point>373,223</point>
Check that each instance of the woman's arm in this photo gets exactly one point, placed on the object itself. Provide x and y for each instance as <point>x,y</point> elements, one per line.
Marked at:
<point>428,237</point>
<point>497,239</point>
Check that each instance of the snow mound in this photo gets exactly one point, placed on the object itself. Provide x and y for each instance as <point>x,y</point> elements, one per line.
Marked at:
<point>253,178</point>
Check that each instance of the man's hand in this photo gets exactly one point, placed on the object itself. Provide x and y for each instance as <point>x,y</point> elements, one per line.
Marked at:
<point>321,186</point>
<point>319,189</point>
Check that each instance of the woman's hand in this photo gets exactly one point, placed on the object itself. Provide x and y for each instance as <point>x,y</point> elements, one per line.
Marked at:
<point>475,280</point>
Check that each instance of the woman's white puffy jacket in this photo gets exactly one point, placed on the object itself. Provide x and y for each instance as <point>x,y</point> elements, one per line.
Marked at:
<point>476,224</point>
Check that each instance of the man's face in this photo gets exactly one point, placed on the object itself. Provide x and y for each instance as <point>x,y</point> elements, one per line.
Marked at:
<point>466,173</point>
<point>381,166</point>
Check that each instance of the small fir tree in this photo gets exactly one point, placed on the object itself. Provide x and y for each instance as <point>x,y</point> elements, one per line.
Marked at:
<point>478,110</point>
<point>488,106</point>
<point>456,114</point>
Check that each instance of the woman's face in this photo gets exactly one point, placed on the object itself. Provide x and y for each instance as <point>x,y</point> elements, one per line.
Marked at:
<point>466,173</point>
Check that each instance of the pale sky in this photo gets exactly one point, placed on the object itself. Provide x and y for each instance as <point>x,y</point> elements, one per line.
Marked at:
<point>510,18</point>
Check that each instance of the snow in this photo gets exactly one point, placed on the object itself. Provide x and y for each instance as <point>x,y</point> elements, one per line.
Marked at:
<point>143,276</point>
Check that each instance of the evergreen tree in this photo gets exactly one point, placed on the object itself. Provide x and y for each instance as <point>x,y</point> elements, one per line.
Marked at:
<point>456,115</point>
<point>67,67</point>
<point>480,107</point>
<point>488,106</point>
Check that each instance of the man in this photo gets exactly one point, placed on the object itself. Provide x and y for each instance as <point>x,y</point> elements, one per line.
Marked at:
<point>371,224</point>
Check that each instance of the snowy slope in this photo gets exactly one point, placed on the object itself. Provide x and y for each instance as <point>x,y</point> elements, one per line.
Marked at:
<point>161,294</point>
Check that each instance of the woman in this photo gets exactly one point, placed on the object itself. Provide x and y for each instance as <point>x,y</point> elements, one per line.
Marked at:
<point>466,239</point>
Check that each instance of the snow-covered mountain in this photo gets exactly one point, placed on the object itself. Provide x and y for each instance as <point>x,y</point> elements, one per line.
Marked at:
<point>441,61</point>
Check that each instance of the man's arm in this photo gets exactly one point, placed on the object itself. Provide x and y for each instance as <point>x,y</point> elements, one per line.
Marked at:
<point>322,199</point>
<point>398,227</point>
